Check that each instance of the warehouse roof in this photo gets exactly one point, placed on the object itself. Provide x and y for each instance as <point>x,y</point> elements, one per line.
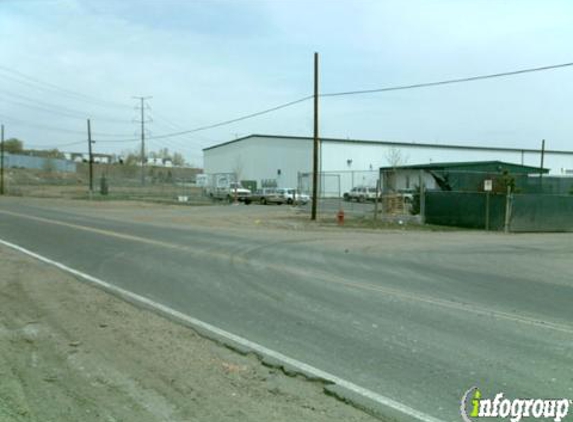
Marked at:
<point>486,166</point>
<point>392,143</point>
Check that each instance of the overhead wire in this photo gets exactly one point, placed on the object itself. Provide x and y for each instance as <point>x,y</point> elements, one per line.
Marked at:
<point>22,78</point>
<point>447,81</point>
<point>223,123</point>
<point>344,93</point>
<point>41,103</point>
<point>366,91</point>
<point>235,120</point>
<point>57,145</point>
<point>67,114</point>
<point>185,141</point>
<point>176,126</point>
<point>22,123</point>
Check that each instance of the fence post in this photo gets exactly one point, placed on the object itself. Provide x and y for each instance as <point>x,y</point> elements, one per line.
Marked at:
<point>422,198</point>
<point>377,197</point>
<point>2,160</point>
<point>507,210</point>
<point>487,211</point>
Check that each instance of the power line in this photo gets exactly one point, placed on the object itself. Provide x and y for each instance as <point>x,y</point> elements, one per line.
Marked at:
<point>25,124</point>
<point>223,123</point>
<point>33,100</point>
<point>117,141</point>
<point>56,145</point>
<point>39,84</point>
<point>22,123</point>
<point>68,114</point>
<point>109,135</point>
<point>164,122</point>
<point>238,119</point>
<point>52,107</point>
<point>448,81</point>
<point>366,91</point>
<point>42,108</point>
<point>345,93</point>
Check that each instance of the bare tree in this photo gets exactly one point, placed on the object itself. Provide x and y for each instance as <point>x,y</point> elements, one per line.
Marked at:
<point>395,158</point>
<point>178,159</point>
<point>238,169</point>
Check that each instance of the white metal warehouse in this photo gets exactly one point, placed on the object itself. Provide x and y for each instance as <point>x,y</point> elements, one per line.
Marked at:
<point>283,159</point>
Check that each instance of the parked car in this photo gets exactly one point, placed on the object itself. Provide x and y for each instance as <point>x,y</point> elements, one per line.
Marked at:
<point>289,194</point>
<point>360,194</point>
<point>266,196</point>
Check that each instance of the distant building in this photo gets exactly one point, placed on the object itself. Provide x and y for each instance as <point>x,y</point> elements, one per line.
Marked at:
<point>350,162</point>
<point>159,162</point>
<point>84,157</point>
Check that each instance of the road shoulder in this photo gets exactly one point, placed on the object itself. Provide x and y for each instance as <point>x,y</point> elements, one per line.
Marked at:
<point>72,352</point>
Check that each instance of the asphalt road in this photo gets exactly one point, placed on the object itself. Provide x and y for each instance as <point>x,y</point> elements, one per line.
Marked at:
<point>417,317</point>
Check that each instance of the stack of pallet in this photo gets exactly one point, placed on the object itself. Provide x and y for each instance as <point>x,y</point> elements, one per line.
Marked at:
<point>394,204</point>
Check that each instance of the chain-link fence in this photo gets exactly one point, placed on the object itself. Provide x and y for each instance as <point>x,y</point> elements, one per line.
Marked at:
<point>500,201</point>
<point>333,189</point>
<point>490,200</point>
<point>521,212</point>
<point>110,181</point>
<point>541,213</point>
<point>473,199</point>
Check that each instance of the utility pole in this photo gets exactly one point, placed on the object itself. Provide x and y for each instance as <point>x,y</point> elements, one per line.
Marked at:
<point>142,122</point>
<point>91,158</point>
<point>541,167</point>
<point>2,161</point>
<point>507,220</point>
<point>315,143</point>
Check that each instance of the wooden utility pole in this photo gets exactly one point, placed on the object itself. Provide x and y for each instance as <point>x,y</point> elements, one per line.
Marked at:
<point>422,184</point>
<point>91,158</point>
<point>541,166</point>
<point>315,143</point>
<point>2,161</point>
<point>378,195</point>
<point>507,219</point>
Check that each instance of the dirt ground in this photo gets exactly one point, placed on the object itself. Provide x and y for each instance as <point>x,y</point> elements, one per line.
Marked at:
<point>214,216</point>
<point>70,352</point>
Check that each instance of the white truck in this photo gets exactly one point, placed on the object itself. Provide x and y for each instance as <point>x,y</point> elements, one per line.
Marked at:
<point>231,193</point>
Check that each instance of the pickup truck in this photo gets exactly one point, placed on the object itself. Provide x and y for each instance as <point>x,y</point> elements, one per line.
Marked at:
<point>232,192</point>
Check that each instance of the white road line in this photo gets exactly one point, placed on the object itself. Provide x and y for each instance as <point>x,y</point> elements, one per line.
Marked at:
<point>262,350</point>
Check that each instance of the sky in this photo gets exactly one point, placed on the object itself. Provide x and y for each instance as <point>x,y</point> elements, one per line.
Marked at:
<point>205,62</point>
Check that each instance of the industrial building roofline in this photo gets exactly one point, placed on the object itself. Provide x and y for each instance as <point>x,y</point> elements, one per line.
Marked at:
<point>466,165</point>
<point>397,144</point>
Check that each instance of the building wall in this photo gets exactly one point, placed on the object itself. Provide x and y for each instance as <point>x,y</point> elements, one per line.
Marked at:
<point>262,158</point>
<point>356,163</point>
<point>335,156</point>
<point>407,180</point>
